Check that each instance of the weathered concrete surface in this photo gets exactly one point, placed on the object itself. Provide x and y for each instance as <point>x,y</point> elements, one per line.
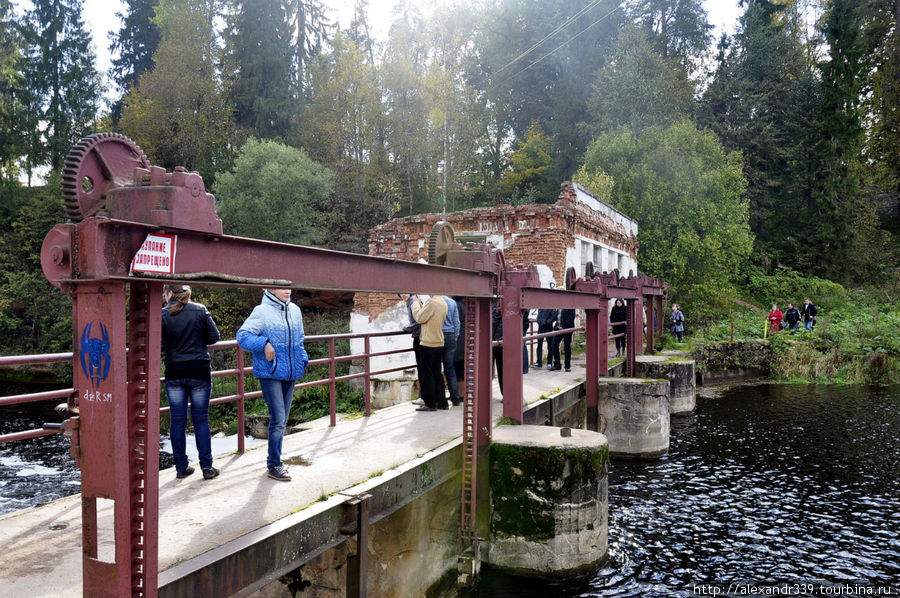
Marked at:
<point>198,516</point>
<point>753,355</point>
<point>634,416</point>
<point>681,375</point>
<point>549,500</point>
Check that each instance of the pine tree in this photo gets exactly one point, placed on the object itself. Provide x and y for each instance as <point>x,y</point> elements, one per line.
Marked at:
<point>310,28</point>
<point>133,46</point>
<point>12,94</point>
<point>63,80</point>
<point>259,61</point>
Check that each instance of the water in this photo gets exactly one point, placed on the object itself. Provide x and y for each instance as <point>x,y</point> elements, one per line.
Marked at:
<point>776,486</point>
<point>37,471</point>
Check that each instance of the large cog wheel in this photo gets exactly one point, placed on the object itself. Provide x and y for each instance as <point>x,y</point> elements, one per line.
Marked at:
<point>95,165</point>
<point>440,241</point>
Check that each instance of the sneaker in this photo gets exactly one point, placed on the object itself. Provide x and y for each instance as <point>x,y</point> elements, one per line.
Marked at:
<point>536,365</point>
<point>418,401</point>
<point>456,402</point>
<point>568,369</point>
<point>184,472</point>
<point>279,473</point>
<point>210,472</point>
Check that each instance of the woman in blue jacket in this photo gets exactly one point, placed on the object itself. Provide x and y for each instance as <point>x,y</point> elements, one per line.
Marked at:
<point>274,334</point>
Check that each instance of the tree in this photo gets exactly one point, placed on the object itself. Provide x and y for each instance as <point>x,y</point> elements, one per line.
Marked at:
<point>274,192</point>
<point>178,113</point>
<point>679,27</point>
<point>763,102</point>
<point>531,163</point>
<point>310,28</point>
<point>343,118</point>
<point>686,193</point>
<point>34,316</point>
<point>260,67</point>
<point>13,95</point>
<point>65,88</point>
<point>133,46</point>
<point>640,88</point>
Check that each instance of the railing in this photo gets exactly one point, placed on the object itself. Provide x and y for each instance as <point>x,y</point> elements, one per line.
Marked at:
<point>239,371</point>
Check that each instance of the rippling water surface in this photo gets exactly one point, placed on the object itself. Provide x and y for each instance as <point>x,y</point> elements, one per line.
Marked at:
<point>763,484</point>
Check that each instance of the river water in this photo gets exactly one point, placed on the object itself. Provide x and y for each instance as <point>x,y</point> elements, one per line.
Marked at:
<point>778,488</point>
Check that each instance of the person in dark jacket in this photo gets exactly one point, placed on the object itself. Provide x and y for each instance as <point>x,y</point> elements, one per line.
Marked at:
<point>274,334</point>
<point>809,314</point>
<point>187,329</point>
<point>792,317</point>
<point>546,320</point>
<point>566,320</point>
<point>617,318</point>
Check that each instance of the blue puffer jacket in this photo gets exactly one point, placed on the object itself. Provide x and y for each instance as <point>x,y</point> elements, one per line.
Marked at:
<point>280,324</point>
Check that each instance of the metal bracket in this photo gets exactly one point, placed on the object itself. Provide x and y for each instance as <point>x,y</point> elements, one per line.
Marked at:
<point>356,522</point>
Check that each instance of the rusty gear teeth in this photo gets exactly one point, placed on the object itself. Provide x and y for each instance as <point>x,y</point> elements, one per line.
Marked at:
<point>83,162</point>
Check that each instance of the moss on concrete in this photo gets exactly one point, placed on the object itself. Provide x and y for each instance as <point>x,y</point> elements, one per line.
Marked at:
<point>527,483</point>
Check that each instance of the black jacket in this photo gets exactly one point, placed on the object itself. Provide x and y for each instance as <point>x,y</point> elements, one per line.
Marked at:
<point>566,318</point>
<point>792,316</point>
<point>617,316</point>
<point>186,334</point>
<point>546,318</point>
<point>809,312</point>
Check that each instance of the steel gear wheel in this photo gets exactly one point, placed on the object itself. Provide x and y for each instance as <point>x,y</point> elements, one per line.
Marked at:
<point>440,241</point>
<point>95,165</point>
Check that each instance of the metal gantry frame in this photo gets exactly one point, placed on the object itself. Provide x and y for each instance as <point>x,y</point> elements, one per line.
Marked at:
<point>116,331</point>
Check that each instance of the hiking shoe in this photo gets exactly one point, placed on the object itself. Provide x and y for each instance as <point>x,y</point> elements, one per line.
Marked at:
<point>184,472</point>
<point>279,473</point>
<point>210,472</point>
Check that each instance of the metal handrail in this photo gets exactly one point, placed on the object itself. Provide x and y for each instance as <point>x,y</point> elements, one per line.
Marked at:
<point>239,371</point>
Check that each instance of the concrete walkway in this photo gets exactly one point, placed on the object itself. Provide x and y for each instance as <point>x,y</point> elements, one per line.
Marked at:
<point>41,546</point>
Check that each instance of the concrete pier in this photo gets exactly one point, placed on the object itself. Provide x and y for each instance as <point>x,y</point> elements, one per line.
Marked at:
<point>634,415</point>
<point>681,374</point>
<point>549,500</point>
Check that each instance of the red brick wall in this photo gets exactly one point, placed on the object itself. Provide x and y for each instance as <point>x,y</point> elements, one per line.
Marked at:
<point>538,233</point>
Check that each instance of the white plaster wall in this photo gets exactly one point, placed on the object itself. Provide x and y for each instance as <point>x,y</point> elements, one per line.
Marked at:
<point>394,318</point>
<point>585,197</point>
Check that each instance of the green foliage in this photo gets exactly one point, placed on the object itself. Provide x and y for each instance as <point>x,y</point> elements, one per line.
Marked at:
<point>789,286</point>
<point>64,86</point>
<point>177,112</point>
<point>274,192</point>
<point>640,88</point>
<point>13,119</point>
<point>531,163</point>
<point>259,65</point>
<point>685,191</point>
<point>35,316</point>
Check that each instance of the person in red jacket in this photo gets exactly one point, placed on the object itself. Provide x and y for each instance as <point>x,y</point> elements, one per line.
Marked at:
<point>775,319</point>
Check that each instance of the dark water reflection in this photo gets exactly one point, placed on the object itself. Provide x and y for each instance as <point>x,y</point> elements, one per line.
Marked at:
<point>764,484</point>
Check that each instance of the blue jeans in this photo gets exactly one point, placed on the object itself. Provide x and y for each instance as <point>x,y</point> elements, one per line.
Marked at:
<point>808,324</point>
<point>278,395</point>
<point>449,369</point>
<point>178,391</point>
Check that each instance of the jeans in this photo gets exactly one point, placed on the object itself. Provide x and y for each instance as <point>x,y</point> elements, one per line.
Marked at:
<point>449,367</point>
<point>808,324</point>
<point>178,391</point>
<point>278,395</point>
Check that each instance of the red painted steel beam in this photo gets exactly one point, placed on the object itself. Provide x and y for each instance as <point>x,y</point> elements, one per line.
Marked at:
<point>243,261</point>
<point>532,298</point>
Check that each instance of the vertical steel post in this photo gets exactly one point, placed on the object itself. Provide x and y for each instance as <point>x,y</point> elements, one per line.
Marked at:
<point>332,399</point>
<point>367,389</point>
<point>511,306</point>
<point>144,334</point>
<point>239,363</point>
<point>630,339</point>
<point>594,346</point>
<point>651,345</point>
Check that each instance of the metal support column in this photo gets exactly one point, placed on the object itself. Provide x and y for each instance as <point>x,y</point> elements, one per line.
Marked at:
<point>651,326</point>
<point>595,345</point>
<point>476,432</point>
<point>358,564</point>
<point>511,306</point>
<point>630,345</point>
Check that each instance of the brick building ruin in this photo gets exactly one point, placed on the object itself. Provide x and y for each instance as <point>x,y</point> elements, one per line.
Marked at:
<point>577,229</point>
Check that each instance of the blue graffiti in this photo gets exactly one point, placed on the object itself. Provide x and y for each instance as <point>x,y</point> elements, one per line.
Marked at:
<point>95,354</point>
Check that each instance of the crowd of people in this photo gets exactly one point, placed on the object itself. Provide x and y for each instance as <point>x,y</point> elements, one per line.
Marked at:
<point>790,319</point>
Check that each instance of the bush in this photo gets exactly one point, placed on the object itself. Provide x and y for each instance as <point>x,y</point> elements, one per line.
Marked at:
<point>791,287</point>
